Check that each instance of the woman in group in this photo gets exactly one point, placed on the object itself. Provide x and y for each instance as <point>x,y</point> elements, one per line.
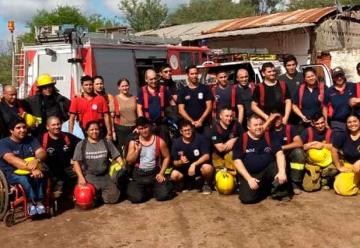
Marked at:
<point>309,98</point>
<point>91,163</point>
<point>348,144</point>
<point>123,109</point>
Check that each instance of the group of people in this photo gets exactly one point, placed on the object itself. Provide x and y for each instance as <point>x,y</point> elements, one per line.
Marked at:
<point>287,134</point>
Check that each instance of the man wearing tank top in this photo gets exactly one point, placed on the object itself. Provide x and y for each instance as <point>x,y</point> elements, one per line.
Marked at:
<point>150,157</point>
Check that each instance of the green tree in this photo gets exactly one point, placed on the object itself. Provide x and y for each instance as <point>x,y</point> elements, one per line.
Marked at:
<point>5,66</point>
<point>144,15</point>
<point>308,4</point>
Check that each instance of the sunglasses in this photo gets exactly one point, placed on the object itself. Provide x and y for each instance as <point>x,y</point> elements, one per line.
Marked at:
<point>167,71</point>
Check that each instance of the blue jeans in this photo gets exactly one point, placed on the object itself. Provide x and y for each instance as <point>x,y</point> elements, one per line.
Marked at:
<point>34,187</point>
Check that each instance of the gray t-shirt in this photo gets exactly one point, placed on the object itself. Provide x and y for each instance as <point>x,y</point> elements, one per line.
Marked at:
<point>96,160</point>
<point>292,84</point>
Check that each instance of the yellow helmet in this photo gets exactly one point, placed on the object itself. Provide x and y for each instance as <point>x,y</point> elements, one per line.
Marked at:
<point>45,79</point>
<point>321,157</point>
<point>30,120</point>
<point>22,172</point>
<point>225,182</point>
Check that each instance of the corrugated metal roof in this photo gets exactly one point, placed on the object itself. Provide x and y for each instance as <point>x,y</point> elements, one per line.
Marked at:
<point>184,31</point>
<point>281,18</point>
<point>252,31</point>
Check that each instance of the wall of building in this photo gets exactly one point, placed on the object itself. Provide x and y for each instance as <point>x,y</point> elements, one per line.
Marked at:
<point>296,42</point>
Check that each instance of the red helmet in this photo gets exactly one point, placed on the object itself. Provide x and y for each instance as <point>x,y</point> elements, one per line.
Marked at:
<point>84,195</point>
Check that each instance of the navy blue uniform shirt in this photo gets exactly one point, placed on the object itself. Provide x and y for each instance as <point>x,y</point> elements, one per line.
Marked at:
<point>280,135</point>
<point>154,103</point>
<point>195,100</point>
<point>258,154</point>
<point>350,148</point>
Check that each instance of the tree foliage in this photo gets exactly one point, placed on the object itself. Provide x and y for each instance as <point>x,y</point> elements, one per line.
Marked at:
<point>5,66</point>
<point>308,4</point>
<point>206,10</point>
<point>144,15</point>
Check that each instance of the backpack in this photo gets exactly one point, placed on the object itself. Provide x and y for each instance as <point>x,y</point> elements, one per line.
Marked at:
<point>262,92</point>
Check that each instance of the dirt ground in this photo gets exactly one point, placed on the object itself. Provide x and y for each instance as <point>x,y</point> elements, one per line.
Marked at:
<point>319,219</point>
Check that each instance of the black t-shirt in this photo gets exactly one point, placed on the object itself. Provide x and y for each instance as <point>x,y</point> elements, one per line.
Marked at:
<point>59,153</point>
<point>273,98</point>
<point>292,84</point>
<point>245,97</point>
<point>194,100</point>
<point>258,154</point>
<point>221,135</point>
<point>350,148</point>
<point>280,135</point>
<point>170,84</point>
<point>193,151</point>
<point>8,113</point>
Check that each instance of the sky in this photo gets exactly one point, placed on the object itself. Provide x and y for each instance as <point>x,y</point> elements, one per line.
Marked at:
<point>21,11</point>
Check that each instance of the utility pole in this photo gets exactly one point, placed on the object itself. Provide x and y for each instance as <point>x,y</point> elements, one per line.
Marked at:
<point>11,28</point>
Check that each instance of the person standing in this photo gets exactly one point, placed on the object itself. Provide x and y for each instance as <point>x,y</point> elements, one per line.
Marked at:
<point>10,108</point>
<point>271,95</point>
<point>90,107</point>
<point>225,96</point>
<point>194,102</point>
<point>245,93</point>
<point>47,102</point>
<point>123,112</point>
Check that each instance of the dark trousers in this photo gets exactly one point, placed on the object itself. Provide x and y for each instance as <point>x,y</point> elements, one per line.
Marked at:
<point>143,184</point>
<point>294,158</point>
<point>34,188</point>
<point>267,186</point>
<point>123,136</point>
<point>105,188</point>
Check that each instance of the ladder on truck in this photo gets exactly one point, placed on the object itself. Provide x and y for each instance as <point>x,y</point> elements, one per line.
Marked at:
<point>20,71</point>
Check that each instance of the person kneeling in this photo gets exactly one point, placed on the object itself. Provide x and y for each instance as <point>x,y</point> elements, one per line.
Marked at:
<point>145,153</point>
<point>261,164</point>
<point>91,163</point>
<point>190,153</point>
<point>16,152</point>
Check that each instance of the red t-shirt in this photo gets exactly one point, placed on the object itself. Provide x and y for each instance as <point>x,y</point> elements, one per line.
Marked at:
<point>89,109</point>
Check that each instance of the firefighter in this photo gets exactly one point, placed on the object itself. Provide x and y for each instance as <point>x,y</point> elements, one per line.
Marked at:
<point>309,99</point>
<point>123,111</point>
<point>292,146</point>
<point>59,147</point>
<point>224,134</point>
<point>91,163</point>
<point>225,95</point>
<point>260,163</point>
<point>165,73</point>
<point>150,157</point>
<point>10,108</point>
<point>191,155</point>
<point>195,102</point>
<point>47,102</point>
<point>347,143</point>
<point>151,103</point>
<point>271,95</point>
<point>292,77</point>
<point>99,88</point>
<point>245,93</point>
<point>14,152</point>
<point>90,107</point>
<point>337,99</point>
<point>319,169</point>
